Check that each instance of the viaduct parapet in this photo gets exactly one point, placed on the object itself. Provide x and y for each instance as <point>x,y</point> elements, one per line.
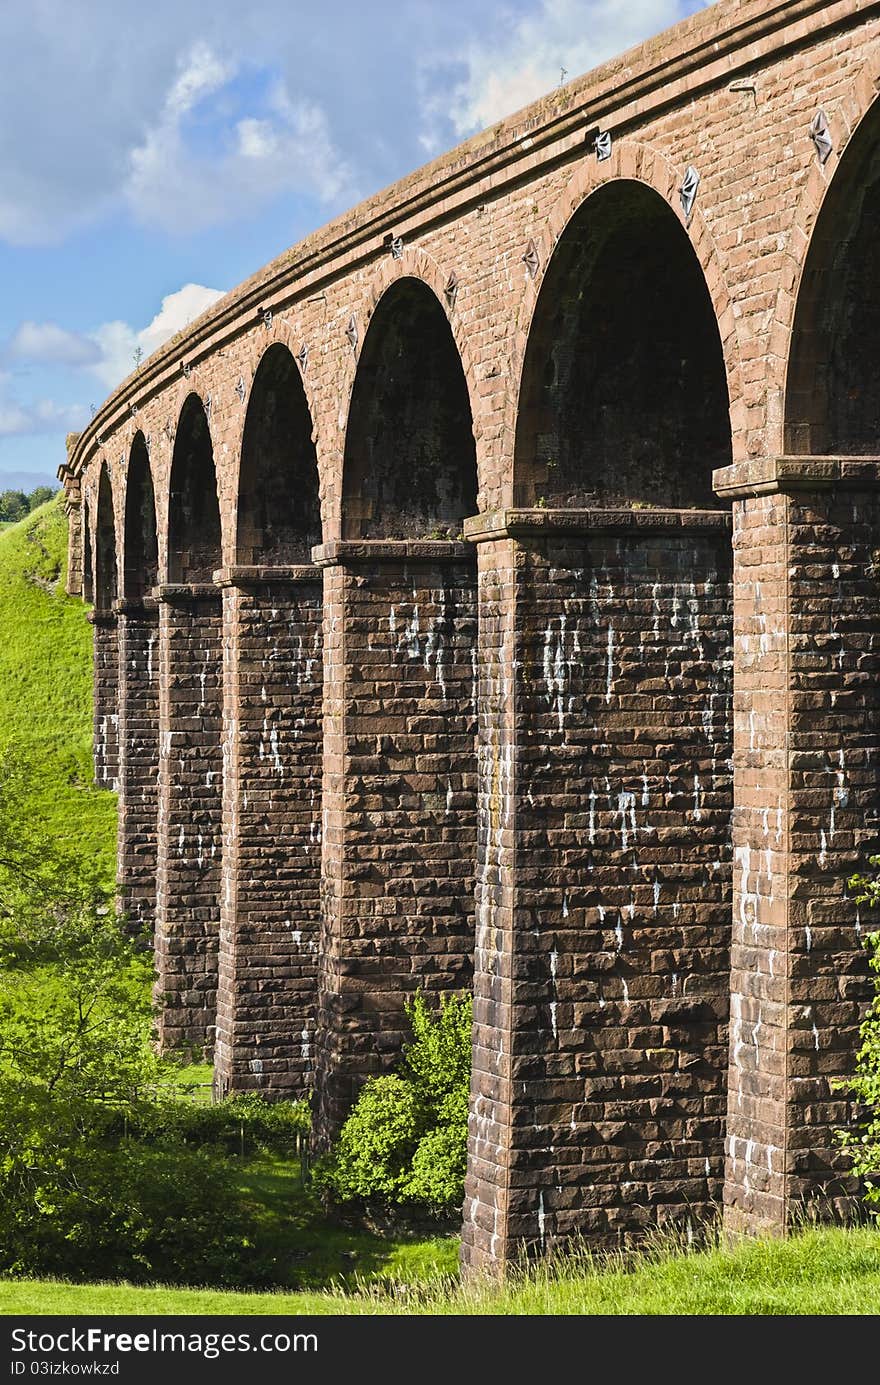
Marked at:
<point>485,595</point>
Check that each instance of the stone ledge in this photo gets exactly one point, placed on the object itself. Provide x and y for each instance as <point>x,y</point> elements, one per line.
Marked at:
<point>181,592</point>
<point>769,475</point>
<point>351,552</point>
<point>136,606</point>
<point>244,575</point>
<point>101,617</point>
<point>502,524</point>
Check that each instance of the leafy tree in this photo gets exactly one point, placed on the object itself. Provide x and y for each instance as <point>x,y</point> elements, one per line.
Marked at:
<point>39,495</point>
<point>13,505</point>
<point>862,1141</point>
<point>99,1174</point>
<point>405,1141</point>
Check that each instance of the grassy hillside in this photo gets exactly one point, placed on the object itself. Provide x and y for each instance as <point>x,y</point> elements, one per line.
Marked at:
<point>46,685</point>
<point>818,1272</point>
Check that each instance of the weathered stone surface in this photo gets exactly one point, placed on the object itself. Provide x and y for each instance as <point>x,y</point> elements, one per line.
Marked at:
<point>270,897</point>
<point>551,333</point>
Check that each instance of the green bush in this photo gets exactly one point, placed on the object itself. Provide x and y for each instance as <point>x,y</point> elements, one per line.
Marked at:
<point>103,1173</point>
<point>81,1202</point>
<point>405,1142</point>
<point>243,1121</point>
<point>862,1140</point>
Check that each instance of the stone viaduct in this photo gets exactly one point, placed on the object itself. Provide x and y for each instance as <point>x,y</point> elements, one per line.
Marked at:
<point>487,594</point>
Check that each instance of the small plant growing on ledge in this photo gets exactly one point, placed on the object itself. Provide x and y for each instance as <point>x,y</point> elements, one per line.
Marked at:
<point>862,1140</point>
<point>404,1145</point>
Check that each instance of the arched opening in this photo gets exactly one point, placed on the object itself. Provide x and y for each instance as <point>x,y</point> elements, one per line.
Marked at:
<point>832,403</point>
<point>138,696</point>
<point>402,806</point>
<point>190,701</point>
<point>141,546</point>
<point>105,575</point>
<point>605,750</point>
<point>273,609</point>
<point>279,510</point>
<point>624,392</point>
<point>88,568</point>
<point>194,540</point>
<point>410,458</point>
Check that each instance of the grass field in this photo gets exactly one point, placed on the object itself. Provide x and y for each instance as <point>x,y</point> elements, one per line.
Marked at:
<point>46,685</point>
<point>815,1273</point>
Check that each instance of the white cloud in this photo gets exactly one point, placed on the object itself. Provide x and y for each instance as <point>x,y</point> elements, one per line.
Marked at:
<point>46,341</point>
<point>110,352</point>
<point>527,54</point>
<point>44,416</point>
<point>172,184</point>
<point>118,343</point>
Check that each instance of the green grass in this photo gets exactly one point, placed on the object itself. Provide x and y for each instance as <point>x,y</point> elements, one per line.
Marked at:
<point>312,1252</point>
<point>46,685</point>
<point>815,1273</point>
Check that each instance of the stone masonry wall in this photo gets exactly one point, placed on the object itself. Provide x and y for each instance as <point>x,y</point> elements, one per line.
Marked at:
<point>619,768</point>
<point>138,760</point>
<point>189,822</point>
<point>270,898</point>
<point>399,800</point>
<point>807,765</point>
<point>106,699</point>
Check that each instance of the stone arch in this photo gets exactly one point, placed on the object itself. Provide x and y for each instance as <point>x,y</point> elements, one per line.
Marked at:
<point>88,566</point>
<point>194,529</point>
<point>140,547</point>
<point>278,509</point>
<point>630,163</point>
<point>106,576</point>
<point>410,463</point>
<point>623,384</point>
<point>828,310</point>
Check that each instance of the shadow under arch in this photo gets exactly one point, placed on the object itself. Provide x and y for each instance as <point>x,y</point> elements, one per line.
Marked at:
<point>832,394</point>
<point>106,575</point>
<point>88,566</point>
<point>279,509</point>
<point>141,549</point>
<point>623,396</point>
<point>410,466</point>
<point>194,534</point>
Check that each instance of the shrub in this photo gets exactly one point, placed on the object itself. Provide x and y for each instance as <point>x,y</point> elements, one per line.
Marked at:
<point>862,1141</point>
<point>405,1142</point>
<point>81,1202</point>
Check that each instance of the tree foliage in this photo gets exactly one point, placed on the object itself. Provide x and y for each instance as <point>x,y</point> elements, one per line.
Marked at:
<point>15,504</point>
<point>405,1142</point>
<point>862,1141</point>
<point>102,1172</point>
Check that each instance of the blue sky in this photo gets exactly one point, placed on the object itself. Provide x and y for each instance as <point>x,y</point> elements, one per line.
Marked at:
<point>153,156</point>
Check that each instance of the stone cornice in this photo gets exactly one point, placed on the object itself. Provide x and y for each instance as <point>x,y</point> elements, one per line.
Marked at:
<point>768,475</point>
<point>707,49</point>
<point>356,552</point>
<point>241,575</point>
<point>516,523</point>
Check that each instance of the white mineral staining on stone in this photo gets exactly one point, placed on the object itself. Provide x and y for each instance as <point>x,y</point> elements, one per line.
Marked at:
<point>626,808</point>
<point>304,1051</point>
<point>618,933</point>
<point>697,811</point>
<point>555,668</point>
<point>542,1219</point>
<point>808,937</point>
<point>823,848</point>
<point>609,672</point>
